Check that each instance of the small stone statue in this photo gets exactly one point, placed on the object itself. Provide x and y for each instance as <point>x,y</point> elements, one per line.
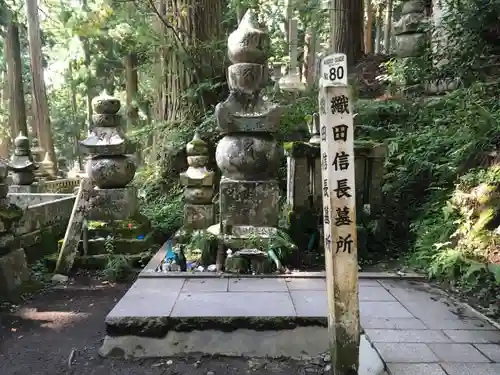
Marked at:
<point>198,186</point>
<point>108,167</point>
<point>22,164</point>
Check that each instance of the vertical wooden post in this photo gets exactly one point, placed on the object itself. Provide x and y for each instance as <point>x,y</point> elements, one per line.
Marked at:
<point>339,214</point>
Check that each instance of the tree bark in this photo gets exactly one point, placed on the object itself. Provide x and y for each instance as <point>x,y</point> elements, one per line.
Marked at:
<point>4,125</point>
<point>388,27</point>
<point>309,67</point>
<point>17,106</point>
<point>378,29</point>
<point>194,30</point>
<point>347,29</point>
<point>38,83</point>
<point>131,87</point>
<point>369,27</point>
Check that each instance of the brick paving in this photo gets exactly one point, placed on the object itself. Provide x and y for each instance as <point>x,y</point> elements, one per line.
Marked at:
<point>415,328</point>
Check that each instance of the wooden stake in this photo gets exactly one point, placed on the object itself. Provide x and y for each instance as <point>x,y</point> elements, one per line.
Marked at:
<point>69,247</point>
<point>339,214</point>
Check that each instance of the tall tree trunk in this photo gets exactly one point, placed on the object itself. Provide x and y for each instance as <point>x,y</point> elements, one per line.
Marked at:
<point>74,110</point>
<point>37,81</point>
<point>369,27</point>
<point>17,106</point>
<point>347,29</point>
<point>88,78</point>
<point>309,67</point>
<point>201,24</point>
<point>388,27</point>
<point>131,87</point>
<point>4,125</point>
<point>378,28</point>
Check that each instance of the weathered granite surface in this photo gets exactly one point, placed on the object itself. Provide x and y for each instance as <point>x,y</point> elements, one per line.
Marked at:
<point>248,155</point>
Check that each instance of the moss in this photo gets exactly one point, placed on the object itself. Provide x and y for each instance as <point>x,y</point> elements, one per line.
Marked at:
<point>159,327</point>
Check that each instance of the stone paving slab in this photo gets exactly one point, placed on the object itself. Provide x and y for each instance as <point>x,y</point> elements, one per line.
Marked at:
<point>416,329</point>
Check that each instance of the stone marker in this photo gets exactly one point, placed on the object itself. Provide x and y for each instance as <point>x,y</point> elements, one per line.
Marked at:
<point>339,214</point>
<point>69,248</point>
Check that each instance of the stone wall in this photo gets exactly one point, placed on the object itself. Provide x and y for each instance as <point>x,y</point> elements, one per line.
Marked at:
<point>61,186</point>
<point>25,200</point>
<point>43,224</point>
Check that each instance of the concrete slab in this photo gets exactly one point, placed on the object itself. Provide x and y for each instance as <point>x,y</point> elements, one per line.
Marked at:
<point>415,369</point>
<point>392,323</point>
<point>313,342</point>
<point>306,284</point>
<point>383,310</point>
<point>257,285</point>
<point>406,353</point>
<point>406,335</point>
<point>492,351</point>
<point>234,304</point>
<point>205,285</point>
<point>476,336</point>
<point>472,368</point>
<point>310,303</point>
<point>457,353</point>
<point>375,293</point>
<point>148,298</point>
<point>460,323</point>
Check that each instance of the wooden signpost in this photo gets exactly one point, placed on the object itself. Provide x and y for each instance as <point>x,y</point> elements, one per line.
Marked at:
<point>339,214</point>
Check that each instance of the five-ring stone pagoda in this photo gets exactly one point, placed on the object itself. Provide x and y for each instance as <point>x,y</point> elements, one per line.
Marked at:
<point>248,155</point>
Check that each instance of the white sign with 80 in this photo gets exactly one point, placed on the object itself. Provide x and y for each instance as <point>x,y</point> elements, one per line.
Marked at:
<point>334,70</point>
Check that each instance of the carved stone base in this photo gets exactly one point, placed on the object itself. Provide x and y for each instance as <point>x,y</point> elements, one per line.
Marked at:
<point>198,216</point>
<point>113,204</point>
<point>252,203</point>
<point>13,271</point>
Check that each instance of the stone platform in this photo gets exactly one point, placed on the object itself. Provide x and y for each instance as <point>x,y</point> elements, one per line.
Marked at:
<point>409,328</point>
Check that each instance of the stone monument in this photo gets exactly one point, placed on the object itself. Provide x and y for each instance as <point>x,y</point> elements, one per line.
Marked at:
<point>108,168</point>
<point>198,185</point>
<point>248,155</point>
<point>22,164</point>
<point>48,167</point>
<point>13,266</point>
<point>62,167</point>
<point>411,34</point>
<point>38,155</point>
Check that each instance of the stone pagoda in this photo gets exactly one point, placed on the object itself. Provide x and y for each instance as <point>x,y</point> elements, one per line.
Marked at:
<point>22,164</point>
<point>108,168</point>
<point>38,155</point>
<point>198,185</point>
<point>248,155</point>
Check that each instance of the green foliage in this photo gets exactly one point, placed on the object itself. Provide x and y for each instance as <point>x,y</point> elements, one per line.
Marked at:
<point>117,265</point>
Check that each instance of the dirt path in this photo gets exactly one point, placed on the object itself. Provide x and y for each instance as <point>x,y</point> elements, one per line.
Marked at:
<point>40,337</point>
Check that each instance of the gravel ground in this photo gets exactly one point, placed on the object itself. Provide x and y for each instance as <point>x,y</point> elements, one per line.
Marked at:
<point>60,332</point>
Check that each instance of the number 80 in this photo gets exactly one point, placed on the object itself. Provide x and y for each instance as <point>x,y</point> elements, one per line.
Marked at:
<point>336,73</point>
